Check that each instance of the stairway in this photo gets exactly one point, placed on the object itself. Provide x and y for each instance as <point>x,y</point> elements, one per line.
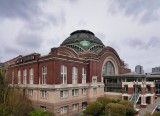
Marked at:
<point>134,98</point>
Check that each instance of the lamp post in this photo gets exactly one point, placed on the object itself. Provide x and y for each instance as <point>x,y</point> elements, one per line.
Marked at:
<point>143,104</point>
<point>135,90</point>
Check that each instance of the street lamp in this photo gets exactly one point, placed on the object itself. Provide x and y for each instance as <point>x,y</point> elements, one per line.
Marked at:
<point>135,90</point>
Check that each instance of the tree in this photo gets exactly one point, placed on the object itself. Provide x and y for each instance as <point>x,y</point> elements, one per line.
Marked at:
<point>12,102</point>
<point>104,101</point>
<point>130,111</point>
<point>115,109</point>
<point>94,109</point>
<point>39,112</point>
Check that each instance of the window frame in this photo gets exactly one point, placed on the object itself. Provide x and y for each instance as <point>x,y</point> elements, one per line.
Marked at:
<point>75,92</point>
<point>44,75</point>
<point>74,75</point>
<point>31,76</point>
<point>43,93</point>
<point>83,76</point>
<point>63,74</point>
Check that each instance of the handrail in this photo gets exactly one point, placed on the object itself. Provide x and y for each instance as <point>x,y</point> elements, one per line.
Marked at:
<point>130,99</point>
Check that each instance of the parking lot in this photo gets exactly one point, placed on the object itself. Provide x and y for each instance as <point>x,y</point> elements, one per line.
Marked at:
<point>150,108</point>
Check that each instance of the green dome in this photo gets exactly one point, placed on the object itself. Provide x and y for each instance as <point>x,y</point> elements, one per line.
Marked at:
<point>83,41</point>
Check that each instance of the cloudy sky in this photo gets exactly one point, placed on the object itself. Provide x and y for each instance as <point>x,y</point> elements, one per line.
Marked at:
<point>131,27</point>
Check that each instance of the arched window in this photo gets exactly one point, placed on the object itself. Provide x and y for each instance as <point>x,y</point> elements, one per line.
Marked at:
<point>19,77</point>
<point>74,75</point>
<point>108,68</point>
<point>44,74</point>
<point>25,76</point>
<point>63,74</point>
<point>83,76</point>
<point>31,74</point>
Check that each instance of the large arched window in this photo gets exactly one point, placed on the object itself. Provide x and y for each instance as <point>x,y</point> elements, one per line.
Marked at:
<point>108,68</point>
<point>63,74</point>
<point>74,75</point>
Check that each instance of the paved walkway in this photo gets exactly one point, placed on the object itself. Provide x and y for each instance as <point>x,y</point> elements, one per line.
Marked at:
<point>150,107</point>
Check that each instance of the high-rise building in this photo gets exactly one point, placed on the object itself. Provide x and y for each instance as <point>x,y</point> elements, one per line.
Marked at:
<point>139,69</point>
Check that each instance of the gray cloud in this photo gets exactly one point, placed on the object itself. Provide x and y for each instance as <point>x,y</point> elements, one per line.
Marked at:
<point>24,9</point>
<point>29,41</point>
<point>147,8</point>
<point>153,42</point>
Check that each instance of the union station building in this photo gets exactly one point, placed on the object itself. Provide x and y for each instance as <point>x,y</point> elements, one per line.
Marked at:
<point>81,69</point>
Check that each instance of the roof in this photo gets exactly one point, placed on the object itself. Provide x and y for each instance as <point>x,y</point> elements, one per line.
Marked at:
<point>83,41</point>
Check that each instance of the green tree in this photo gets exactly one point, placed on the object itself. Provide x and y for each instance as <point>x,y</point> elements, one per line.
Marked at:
<point>115,109</point>
<point>94,109</point>
<point>12,102</point>
<point>130,111</point>
<point>104,101</point>
<point>39,112</point>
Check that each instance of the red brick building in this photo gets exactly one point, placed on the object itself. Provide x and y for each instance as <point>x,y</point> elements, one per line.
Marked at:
<point>69,76</point>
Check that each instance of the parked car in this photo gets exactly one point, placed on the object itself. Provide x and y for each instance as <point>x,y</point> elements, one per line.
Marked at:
<point>158,108</point>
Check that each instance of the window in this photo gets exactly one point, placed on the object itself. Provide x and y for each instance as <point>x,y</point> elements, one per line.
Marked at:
<point>12,77</point>
<point>94,79</point>
<point>125,88</point>
<point>74,75</point>
<point>43,108</point>
<point>84,105</point>
<point>75,92</point>
<point>74,107</point>
<point>83,75</point>
<point>31,73</point>
<point>44,73</point>
<point>84,91</point>
<point>25,76</point>
<point>94,90</point>
<point>63,74</point>
<point>64,110</point>
<point>43,93</point>
<point>19,77</point>
<point>64,94</point>
<point>108,69</point>
<point>30,92</point>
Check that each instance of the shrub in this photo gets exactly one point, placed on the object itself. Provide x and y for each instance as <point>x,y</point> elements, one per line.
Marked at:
<point>104,101</point>
<point>130,111</point>
<point>115,109</point>
<point>94,108</point>
<point>40,112</point>
<point>115,100</point>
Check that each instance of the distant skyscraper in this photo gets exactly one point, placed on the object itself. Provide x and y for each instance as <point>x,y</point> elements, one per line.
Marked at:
<point>156,70</point>
<point>139,69</point>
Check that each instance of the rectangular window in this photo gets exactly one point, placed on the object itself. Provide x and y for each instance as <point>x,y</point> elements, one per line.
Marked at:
<point>31,73</point>
<point>84,105</point>
<point>19,77</point>
<point>30,92</point>
<point>64,94</point>
<point>74,75</point>
<point>75,92</point>
<point>63,74</point>
<point>43,108</point>
<point>83,76</point>
<point>25,76</point>
<point>84,91</point>
<point>74,107</point>
<point>64,109</point>
<point>44,74</point>
<point>94,90</point>
<point>43,93</point>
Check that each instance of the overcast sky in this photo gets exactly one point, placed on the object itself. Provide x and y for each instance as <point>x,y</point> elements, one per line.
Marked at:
<point>131,27</point>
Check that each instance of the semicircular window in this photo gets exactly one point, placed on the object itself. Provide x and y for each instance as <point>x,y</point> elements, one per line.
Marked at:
<point>108,69</point>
